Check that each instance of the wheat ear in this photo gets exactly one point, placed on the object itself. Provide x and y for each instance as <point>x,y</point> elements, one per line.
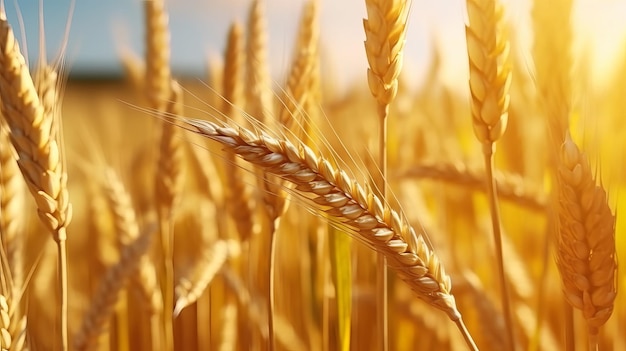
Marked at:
<point>347,204</point>
<point>490,79</point>
<point>40,155</point>
<point>106,295</point>
<point>586,254</point>
<point>385,31</point>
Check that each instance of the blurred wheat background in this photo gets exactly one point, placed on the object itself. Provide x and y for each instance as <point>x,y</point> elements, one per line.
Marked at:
<point>295,175</point>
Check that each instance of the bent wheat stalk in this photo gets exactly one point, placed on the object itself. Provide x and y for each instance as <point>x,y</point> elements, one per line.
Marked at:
<point>348,205</point>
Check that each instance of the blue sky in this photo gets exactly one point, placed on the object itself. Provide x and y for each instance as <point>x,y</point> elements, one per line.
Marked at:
<point>100,28</point>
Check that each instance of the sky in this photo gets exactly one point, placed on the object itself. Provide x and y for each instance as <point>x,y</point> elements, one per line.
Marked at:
<point>100,29</point>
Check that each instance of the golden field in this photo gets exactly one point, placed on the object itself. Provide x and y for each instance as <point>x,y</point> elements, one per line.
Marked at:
<point>175,242</point>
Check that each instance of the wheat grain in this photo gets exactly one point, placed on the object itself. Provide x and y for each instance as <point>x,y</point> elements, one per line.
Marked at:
<point>586,254</point>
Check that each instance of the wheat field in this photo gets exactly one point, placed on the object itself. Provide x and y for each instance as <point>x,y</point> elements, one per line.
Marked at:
<point>242,211</point>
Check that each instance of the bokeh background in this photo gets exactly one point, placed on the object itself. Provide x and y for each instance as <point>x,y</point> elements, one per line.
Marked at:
<point>100,29</point>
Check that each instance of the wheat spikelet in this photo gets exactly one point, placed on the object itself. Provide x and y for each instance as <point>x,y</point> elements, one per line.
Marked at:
<point>188,291</point>
<point>586,254</point>
<point>105,297</point>
<point>157,40</point>
<point>258,91</point>
<point>5,336</point>
<point>347,203</point>
<point>510,186</point>
<point>13,329</point>
<point>46,83</point>
<point>11,207</point>
<point>127,229</point>
<point>385,30</point>
<point>490,72</point>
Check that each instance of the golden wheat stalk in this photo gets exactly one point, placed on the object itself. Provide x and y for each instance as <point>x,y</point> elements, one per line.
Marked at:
<point>385,31</point>
<point>105,297</point>
<point>490,78</point>
<point>347,204</point>
<point>586,254</point>
<point>35,136</point>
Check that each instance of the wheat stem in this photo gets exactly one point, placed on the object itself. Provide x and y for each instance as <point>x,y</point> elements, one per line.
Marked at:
<point>466,335</point>
<point>492,195</point>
